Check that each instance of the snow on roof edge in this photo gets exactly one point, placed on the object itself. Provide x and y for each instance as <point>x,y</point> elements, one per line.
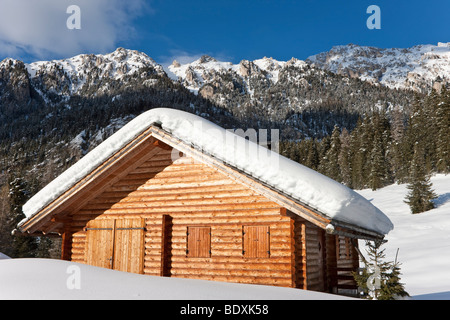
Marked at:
<point>330,197</point>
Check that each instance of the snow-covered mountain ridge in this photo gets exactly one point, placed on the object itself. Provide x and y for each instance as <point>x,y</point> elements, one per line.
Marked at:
<point>76,75</point>
<point>419,68</point>
<point>82,69</point>
<point>206,70</point>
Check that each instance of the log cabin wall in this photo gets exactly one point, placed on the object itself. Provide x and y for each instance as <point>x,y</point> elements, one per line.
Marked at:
<point>347,262</point>
<point>323,262</point>
<point>346,254</point>
<point>331,263</point>
<point>298,247</point>
<point>181,199</point>
<point>315,257</point>
<point>341,259</point>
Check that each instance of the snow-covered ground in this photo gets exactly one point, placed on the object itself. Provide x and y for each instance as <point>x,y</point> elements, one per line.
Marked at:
<point>49,279</point>
<point>423,239</point>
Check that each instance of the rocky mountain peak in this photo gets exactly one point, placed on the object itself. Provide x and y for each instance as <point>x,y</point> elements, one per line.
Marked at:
<point>15,88</point>
<point>205,58</point>
<point>74,75</point>
<point>247,68</point>
<point>176,64</point>
<point>414,68</point>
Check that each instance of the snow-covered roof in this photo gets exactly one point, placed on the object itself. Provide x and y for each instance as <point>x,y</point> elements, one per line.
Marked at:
<point>309,187</point>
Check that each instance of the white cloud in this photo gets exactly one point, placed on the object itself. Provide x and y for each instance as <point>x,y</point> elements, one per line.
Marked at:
<point>38,27</point>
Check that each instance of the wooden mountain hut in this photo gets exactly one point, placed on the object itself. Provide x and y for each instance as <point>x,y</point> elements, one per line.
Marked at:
<point>171,194</point>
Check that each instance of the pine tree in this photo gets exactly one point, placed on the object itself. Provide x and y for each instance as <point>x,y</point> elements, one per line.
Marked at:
<point>397,147</point>
<point>430,127</point>
<point>357,158</point>
<point>330,162</point>
<point>443,132</point>
<point>375,268</point>
<point>324,146</point>
<point>420,197</point>
<point>379,172</point>
<point>362,138</point>
<point>415,132</point>
<point>345,158</point>
<point>21,247</point>
<point>379,279</point>
<point>312,159</point>
<point>393,288</point>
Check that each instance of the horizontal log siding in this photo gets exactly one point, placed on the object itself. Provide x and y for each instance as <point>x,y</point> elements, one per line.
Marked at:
<point>347,259</point>
<point>193,194</point>
<point>314,258</point>
<point>298,230</point>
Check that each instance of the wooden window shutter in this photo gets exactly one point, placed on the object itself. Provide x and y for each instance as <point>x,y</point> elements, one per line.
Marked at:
<point>198,242</point>
<point>256,242</point>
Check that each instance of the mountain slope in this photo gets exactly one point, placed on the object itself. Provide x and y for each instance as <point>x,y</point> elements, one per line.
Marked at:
<point>422,239</point>
<point>207,70</point>
<point>53,112</point>
<point>419,68</point>
<point>63,108</point>
<point>307,99</point>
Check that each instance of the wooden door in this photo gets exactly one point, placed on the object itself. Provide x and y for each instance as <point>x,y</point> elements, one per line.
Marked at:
<point>116,244</point>
<point>99,243</point>
<point>129,245</point>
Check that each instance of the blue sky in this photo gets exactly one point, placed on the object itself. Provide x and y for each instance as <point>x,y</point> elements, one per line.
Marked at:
<point>228,30</point>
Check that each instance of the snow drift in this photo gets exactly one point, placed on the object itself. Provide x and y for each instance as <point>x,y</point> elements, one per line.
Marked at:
<point>48,279</point>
